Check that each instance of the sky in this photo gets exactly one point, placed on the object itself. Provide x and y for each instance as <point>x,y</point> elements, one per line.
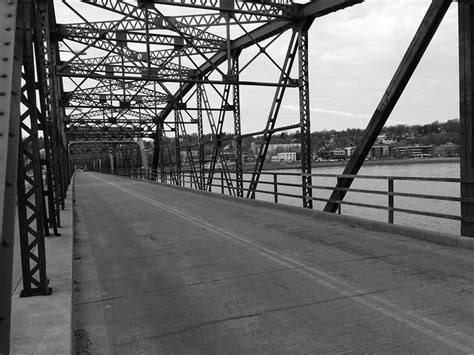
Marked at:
<point>353,55</point>
<point>355,52</point>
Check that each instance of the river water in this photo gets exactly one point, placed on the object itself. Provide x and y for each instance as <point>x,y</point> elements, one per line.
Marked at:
<point>443,170</point>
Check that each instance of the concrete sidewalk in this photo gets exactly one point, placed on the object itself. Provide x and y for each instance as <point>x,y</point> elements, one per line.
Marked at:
<point>43,324</point>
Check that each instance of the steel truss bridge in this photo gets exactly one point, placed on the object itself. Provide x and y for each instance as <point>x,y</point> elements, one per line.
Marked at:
<point>86,93</point>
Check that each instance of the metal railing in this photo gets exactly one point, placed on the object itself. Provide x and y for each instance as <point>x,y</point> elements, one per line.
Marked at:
<point>282,184</point>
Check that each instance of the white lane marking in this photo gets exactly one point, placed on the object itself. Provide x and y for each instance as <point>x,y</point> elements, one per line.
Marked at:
<point>414,320</point>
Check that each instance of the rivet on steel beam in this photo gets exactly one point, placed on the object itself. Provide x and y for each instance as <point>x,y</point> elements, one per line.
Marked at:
<point>8,29</point>
<point>2,113</point>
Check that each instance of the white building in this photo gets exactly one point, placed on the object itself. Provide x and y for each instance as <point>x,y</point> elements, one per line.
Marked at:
<point>288,147</point>
<point>348,151</point>
<point>337,153</point>
<point>288,156</point>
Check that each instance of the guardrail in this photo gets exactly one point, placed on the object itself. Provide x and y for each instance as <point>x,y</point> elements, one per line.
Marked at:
<point>282,184</point>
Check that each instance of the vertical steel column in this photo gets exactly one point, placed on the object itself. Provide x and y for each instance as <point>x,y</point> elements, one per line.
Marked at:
<point>305,117</point>
<point>48,58</point>
<point>156,150</point>
<point>41,42</point>
<point>11,46</point>
<point>202,176</point>
<point>30,186</point>
<point>161,154</point>
<point>177,146</point>
<point>466,81</point>
<point>237,128</point>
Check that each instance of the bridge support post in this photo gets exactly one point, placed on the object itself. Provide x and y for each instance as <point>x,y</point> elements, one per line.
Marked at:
<point>305,116</point>
<point>177,146</point>
<point>237,129</point>
<point>466,81</point>
<point>202,176</point>
<point>32,214</point>
<point>11,15</point>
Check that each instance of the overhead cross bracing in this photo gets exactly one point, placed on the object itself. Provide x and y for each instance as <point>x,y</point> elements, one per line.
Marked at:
<point>125,77</point>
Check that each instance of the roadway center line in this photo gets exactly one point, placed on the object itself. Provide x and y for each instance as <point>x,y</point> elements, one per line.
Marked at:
<point>444,334</point>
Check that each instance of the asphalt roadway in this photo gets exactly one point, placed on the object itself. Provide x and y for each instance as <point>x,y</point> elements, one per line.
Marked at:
<point>162,270</point>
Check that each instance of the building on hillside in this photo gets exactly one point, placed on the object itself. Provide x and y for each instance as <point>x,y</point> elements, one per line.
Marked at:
<point>446,150</point>
<point>288,156</point>
<point>185,155</point>
<point>348,151</point>
<point>380,151</point>
<point>380,139</point>
<point>282,147</point>
<point>337,153</point>
<point>413,151</point>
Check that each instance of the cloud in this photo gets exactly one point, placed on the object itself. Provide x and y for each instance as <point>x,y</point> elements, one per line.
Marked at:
<point>330,112</point>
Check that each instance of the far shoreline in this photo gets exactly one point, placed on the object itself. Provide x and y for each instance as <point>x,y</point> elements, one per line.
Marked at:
<point>248,167</point>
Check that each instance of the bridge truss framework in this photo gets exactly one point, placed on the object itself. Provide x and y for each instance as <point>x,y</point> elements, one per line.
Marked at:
<point>75,94</point>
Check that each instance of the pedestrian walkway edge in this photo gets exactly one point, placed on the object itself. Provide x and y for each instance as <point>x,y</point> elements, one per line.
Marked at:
<point>44,324</point>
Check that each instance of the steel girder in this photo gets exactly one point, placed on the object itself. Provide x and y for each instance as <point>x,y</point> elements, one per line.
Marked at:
<point>11,44</point>
<point>410,61</point>
<point>192,40</point>
<point>33,201</point>
<point>81,152</point>
<point>466,68</point>
<point>272,117</point>
<point>199,104</point>
<point>267,30</point>
<point>27,99</point>
<point>305,109</point>
<point>239,176</point>
<point>167,43</point>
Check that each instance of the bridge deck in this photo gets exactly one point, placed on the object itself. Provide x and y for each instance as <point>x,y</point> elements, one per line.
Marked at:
<point>161,270</point>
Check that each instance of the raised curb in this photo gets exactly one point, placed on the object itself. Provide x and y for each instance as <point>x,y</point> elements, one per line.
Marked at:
<point>447,239</point>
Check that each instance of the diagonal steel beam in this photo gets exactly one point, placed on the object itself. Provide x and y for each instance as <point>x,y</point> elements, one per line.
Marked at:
<point>315,8</point>
<point>405,70</point>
